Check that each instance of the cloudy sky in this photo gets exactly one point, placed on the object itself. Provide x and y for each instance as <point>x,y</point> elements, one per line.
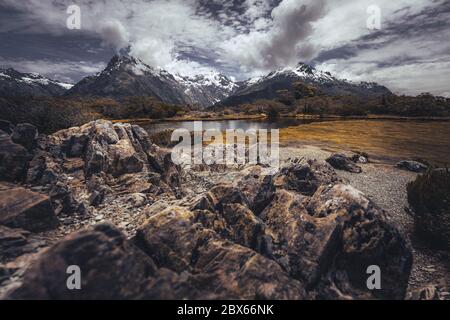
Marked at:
<point>410,53</point>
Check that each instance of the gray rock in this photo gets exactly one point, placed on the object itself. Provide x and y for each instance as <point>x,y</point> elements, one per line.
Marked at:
<point>22,208</point>
<point>342,162</point>
<point>414,166</point>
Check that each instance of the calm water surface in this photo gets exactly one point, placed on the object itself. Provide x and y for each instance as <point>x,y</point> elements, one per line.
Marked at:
<point>386,139</point>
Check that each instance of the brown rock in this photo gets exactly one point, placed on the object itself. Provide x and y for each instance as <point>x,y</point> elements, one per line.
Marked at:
<point>303,245</point>
<point>231,271</point>
<point>342,162</point>
<point>22,208</point>
<point>219,267</point>
<point>426,293</point>
<point>111,268</point>
<point>16,242</point>
<point>257,187</point>
<point>368,238</point>
<point>305,177</point>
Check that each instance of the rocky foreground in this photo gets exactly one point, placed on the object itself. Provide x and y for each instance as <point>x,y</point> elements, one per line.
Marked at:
<point>173,233</point>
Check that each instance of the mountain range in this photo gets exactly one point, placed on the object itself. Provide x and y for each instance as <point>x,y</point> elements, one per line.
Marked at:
<point>128,76</point>
<point>14,83</point>
<point>266,87</point>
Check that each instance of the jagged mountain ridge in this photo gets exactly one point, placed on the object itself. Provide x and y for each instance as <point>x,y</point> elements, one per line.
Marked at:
<point>18,84</point>
<point>266,87</point>
<point>128,76</point>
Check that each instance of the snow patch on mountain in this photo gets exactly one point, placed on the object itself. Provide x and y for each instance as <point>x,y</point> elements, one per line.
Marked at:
<point>15,83</point>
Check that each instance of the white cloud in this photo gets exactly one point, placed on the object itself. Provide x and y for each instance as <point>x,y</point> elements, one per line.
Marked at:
<point>253,37</point>
<point>283,44</point>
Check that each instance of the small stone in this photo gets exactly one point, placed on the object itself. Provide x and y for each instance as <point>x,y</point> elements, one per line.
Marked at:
<point>342,162</point>
<point>413,166</point>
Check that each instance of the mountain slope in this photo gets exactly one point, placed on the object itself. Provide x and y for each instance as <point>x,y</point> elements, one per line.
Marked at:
<point>127,76</point>
<point>14,84</point>
<point>266,87</point>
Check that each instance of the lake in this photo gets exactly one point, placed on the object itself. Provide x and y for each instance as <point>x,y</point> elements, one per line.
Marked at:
<point>382,139</point>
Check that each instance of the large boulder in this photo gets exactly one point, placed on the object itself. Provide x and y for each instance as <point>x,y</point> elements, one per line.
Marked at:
<point>14,159</point>
<point>367,238</point>
<point>22,208</point>
<point>342,162</point>
<point>111,268</point>
<point>25,134</point>
<point>176,241</point>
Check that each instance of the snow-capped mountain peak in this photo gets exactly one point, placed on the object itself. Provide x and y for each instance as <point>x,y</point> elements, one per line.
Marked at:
<point>15,83</point>
<point>266,87</point>
<point>130,76</point>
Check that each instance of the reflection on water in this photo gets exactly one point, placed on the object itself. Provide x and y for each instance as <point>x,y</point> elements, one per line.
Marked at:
<point>228,124</point>
<point>389,139</point>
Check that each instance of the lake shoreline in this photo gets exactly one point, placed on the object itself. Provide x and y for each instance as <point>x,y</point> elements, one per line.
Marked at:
<point>265,117</point>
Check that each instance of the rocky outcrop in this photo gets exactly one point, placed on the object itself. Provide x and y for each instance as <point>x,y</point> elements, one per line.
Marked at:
<point>117,150</point>
<point>325,242</point>
<point>22,208</point>
<point>95,159</point>
<point>300,233</point>
<point>342,162</point>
